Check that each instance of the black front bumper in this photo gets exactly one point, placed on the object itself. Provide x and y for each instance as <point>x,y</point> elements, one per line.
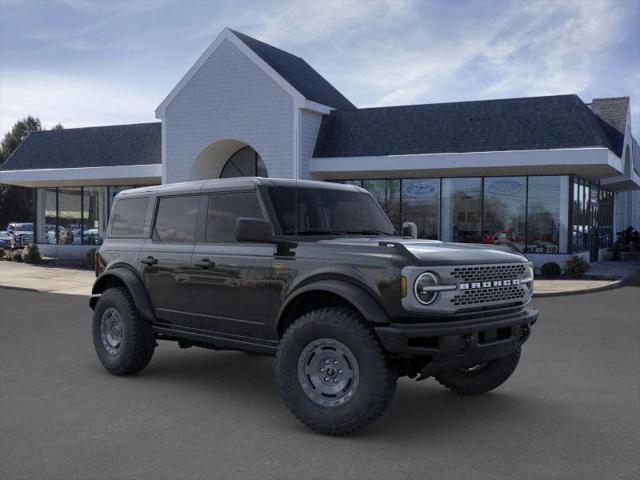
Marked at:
<point>459,343</point>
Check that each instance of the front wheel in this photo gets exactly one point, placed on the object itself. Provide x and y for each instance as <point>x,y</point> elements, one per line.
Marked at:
<point>480,378</point>
<point>332,372</point>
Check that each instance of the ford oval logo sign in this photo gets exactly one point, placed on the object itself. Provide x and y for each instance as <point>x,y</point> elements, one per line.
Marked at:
<point>421,189</point>
<point>505,187</point>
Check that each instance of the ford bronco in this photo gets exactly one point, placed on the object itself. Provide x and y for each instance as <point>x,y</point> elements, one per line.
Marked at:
<point>315,274</point>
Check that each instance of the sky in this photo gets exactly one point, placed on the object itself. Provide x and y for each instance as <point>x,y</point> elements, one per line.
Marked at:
<point>86,63</point>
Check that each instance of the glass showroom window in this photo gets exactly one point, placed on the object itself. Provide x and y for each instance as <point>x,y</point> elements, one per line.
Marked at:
<point>387,194</point>
<point>94,215</point>
<point>421,205</point>
<point>461,209</point>
<point>547,220</point>
<point>46,215</point>
<point>505,216</point>
<point>69,216</point>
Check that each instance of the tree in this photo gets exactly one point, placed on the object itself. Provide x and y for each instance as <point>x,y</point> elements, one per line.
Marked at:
<point>16,203</point>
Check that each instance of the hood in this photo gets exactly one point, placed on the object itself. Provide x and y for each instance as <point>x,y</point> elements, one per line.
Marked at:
<point>434,252</point>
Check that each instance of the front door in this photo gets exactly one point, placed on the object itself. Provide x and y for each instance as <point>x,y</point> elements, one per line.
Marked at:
<point>165,260</point>
<point>230,281</point>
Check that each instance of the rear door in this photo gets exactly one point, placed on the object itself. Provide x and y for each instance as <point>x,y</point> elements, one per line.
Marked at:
<point>165,260</point>
<point>230,283</point>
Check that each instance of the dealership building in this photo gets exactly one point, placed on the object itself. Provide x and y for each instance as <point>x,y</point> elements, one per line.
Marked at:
<point>554,176</point>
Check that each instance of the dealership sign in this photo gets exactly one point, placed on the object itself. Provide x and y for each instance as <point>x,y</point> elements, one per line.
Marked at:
<point>505,187</point>
<point>421,189</point>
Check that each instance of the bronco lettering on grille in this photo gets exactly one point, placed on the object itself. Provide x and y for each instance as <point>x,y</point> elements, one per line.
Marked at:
<point>488,284</point>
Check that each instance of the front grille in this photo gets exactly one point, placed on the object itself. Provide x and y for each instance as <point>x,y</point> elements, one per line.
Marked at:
<point>512,293</point>
<point>488,272</point>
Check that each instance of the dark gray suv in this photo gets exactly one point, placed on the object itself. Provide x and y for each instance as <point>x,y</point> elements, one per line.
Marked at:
<point>315,274</point>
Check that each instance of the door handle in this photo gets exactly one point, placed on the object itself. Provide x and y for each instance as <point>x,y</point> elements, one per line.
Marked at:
<point>149,261</point>
<point>205,263</point>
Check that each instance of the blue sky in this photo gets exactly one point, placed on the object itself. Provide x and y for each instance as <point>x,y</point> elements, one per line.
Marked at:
<point>84,63</point>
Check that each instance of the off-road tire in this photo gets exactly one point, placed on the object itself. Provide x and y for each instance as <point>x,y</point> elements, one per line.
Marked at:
<point>490,376</point>
<point>377,375</point>
<point>137,341</point>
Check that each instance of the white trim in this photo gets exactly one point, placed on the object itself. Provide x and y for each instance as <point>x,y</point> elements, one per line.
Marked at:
<point>227,34</point>
<point>296,141</point>
<point>601,162</point>
<point>163,150</point>
<point>316,107</point>
<point>122,174</point>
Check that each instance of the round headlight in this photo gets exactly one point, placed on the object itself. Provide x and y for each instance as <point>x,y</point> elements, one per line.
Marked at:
<point>423,288</point>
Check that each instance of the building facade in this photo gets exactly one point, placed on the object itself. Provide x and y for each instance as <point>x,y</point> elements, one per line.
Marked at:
<point>552,176</point>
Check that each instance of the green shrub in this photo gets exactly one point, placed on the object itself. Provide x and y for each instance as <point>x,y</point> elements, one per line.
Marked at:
<point>575,267</point>
<point>16,256</point>
<point>31,254</point>
<point>2,253</point>
<point>90,258</point>
<point>551,270</point>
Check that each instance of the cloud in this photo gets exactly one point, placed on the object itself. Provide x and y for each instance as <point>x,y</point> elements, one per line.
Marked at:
<point>73,101</point>
<point>296,22</point>
<point>534,48</point>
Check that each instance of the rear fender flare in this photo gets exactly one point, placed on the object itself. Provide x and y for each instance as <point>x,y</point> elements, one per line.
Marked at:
<point>132,281</point>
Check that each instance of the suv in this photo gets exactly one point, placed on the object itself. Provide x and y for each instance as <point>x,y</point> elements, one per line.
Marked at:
<point>315,274</point>
<point>20,234</point>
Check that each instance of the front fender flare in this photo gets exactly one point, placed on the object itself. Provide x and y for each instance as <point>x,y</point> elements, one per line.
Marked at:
<point>368,306</point>
<point>133,282</point>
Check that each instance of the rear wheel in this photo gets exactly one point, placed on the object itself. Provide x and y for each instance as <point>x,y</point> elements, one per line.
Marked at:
<point>123,340</point>
<point>332,372</point>
<point>480,378</point>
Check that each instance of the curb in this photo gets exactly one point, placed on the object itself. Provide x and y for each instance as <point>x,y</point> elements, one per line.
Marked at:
<point>612,286</point>
<point>24,289</point>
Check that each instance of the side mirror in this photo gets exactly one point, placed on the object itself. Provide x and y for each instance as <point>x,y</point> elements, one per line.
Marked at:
<point>409,229</point>
<point>253,230</point>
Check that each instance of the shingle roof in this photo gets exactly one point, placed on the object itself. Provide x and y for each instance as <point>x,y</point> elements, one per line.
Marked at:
<point>613,116</point>
<point>298,73</point>
<point>114,145</point>
<point>553,122</point>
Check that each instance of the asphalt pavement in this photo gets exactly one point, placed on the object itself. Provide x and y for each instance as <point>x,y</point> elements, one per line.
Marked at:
<point>571,410</point>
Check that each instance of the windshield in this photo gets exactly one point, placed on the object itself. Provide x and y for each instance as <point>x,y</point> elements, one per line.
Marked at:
<point>23,227</point>
<point>325,211</point>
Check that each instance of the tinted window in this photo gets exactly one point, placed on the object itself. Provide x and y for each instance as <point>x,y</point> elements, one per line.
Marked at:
<point>308,211</point>
<point>176,219</point>
<point>224,209</point>
<point>129,216</point>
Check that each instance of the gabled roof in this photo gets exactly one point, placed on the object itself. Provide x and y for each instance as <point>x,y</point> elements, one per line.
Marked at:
<point>109,146</point>
<point>612,113</point>
<point>298,73</point>
<point>292,73</point>
<point>554,122</point>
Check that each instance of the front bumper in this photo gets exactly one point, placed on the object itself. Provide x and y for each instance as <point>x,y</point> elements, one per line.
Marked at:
<point>459,343</point>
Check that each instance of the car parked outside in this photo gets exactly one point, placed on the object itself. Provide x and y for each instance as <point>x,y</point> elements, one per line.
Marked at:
<point>20,234</point>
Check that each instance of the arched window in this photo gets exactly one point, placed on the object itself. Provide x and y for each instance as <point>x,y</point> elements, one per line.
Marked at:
<point>244,163</point>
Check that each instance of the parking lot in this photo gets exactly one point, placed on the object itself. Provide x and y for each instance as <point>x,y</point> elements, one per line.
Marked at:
<point>570,411</point>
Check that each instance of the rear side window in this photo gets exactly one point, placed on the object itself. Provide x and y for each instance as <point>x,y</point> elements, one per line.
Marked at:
<point>224,209</point>
<point>176,219</point>
<point>129,216</point>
